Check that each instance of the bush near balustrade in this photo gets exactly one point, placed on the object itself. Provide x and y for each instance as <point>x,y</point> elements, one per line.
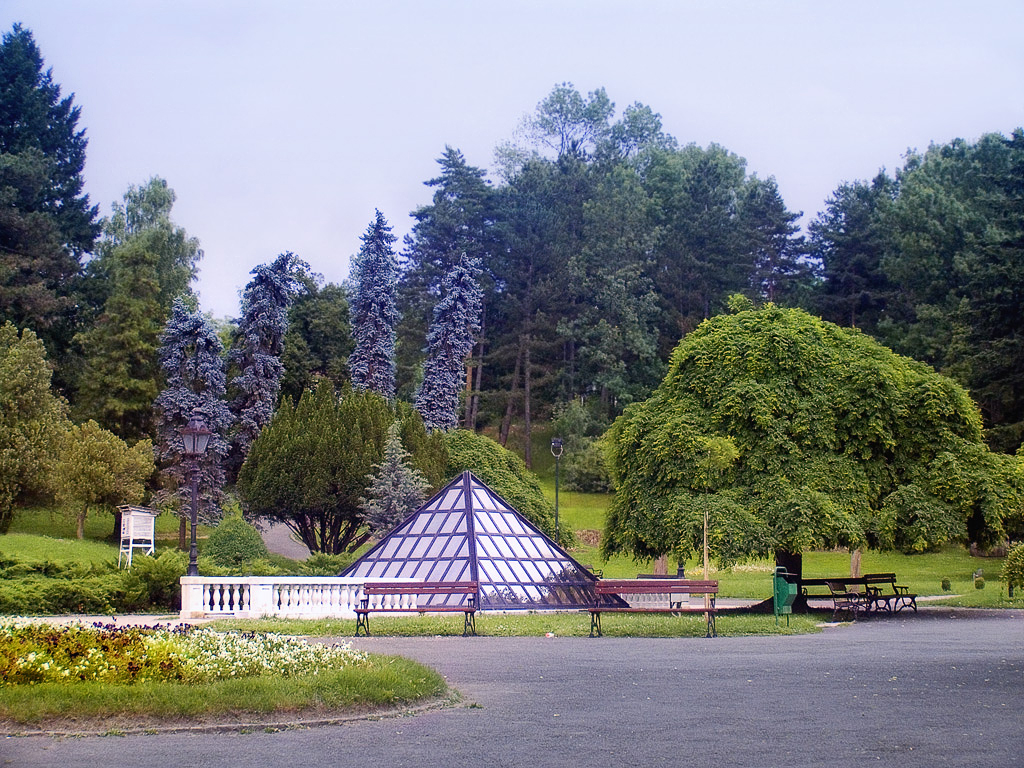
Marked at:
<point>47,588</point>
<point>233,542</point>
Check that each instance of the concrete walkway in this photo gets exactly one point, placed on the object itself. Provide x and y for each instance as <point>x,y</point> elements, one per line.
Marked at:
<point>279,541</point>
<point>937,688</point>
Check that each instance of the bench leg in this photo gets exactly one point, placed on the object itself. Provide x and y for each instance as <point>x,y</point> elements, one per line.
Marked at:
<point>469,627</point>
<point>595,623</point>
<point>712,631</point>
<point>363,622</point>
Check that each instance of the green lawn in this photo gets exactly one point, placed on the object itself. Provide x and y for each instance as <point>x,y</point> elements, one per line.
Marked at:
<point>383,681</point>
<point>531,624</point>
<point>47,522</point>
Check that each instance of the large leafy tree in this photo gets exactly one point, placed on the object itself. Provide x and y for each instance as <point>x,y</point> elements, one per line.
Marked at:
<point>142,219</point>
<point>144,261</point>
<point>96,469</point>
<point>319,339</point>
<point>703,252</point>
<point>374,311</point>
<point>795,434</point>
<point>257,348</point>
<point>47,220</point>
<point>449,341</point>
<point>193,367</point>
<point>308,468</point>
<point>31,419</point>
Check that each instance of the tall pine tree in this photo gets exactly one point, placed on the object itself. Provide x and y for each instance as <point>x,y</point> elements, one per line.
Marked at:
<point>190,355</point>
<point>257,349</point>
<point>374,311</point>
<point>450,339</point>
<point>46,220</point>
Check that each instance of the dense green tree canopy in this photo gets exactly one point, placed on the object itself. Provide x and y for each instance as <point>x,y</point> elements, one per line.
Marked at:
<point>96,469</point>
<point>503,471</point>
<point>31,419</point>
<point>308,468</point>
<point>797,434</point>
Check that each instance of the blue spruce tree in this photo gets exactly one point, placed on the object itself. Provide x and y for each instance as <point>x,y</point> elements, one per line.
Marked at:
<point>190,356</point>
<point>396,488</point>
<point>256,352</point>
<point>452,333</point>
<point>374,312</point>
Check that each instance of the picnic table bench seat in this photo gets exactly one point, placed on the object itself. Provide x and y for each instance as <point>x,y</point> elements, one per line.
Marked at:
<point>411,590</point>
<point>608,590</point>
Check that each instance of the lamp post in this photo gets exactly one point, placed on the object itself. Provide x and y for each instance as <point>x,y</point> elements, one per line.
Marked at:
<point>556,451</point>
<point>195,436</point>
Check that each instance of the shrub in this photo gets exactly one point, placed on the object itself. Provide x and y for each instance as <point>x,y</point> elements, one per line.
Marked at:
<point>979,582</point>
<point>584,468</point>
<point>503,471</point>
<point>1013,568</point>
<point>322,564</point>
<point>234,542</point>
<point>947,585</point>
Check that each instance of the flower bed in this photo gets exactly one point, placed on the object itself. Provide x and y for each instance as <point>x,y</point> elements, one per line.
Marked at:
<point>39,653</point>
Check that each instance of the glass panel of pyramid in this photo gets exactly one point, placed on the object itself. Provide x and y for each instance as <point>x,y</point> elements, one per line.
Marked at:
<point>466,532</point>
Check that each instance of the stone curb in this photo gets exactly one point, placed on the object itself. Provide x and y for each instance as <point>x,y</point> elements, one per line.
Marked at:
<point>150,729</point>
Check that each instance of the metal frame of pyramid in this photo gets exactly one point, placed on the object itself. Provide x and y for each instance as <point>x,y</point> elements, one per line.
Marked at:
<point>467,532</point>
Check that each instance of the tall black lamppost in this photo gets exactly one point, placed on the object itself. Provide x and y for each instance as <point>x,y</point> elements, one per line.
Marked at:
<point>195,436</point>
<point>556,451</point>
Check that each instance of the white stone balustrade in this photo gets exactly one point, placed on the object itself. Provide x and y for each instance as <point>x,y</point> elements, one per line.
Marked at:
<point>291,597</point>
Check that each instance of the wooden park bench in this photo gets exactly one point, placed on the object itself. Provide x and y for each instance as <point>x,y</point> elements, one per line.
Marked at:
<point>861,594</point>
<point>848,600</point>
<point>896,599</point>
<point>609,589</point>
<point>410,590</point>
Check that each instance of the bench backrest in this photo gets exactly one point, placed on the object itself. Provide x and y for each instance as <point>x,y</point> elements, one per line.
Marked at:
<point>655,586</point>
<point>421,588</point>
<point>879,578</point>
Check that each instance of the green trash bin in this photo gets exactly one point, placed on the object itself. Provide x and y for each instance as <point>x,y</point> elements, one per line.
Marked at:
<point>784,593</point>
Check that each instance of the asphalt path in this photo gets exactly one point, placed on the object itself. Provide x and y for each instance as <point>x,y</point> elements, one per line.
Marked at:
<point>940,688</point>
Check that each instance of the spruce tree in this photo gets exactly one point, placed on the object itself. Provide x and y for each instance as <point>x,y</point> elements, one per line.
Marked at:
<point>190,355</point>
<point>374,311</point>
<point>453,330</point>
<point>257,349</point>
<point>46,220</point>
<point>396,488</point>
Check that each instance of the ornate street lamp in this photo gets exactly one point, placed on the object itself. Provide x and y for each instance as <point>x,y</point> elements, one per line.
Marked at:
<point>556,451</point>
<point>195,436</point>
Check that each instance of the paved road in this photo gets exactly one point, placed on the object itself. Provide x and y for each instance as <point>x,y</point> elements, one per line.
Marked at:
<point>941,688</point>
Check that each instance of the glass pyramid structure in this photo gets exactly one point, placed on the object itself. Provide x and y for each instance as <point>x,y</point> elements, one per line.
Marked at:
<point>466,532</point>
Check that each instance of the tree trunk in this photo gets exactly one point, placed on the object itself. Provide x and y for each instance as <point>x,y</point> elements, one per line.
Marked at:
<point>661,566</point>
<point>474,401</point>
<point>81,522</point>
<point>855,563</point>
<point>527,423</point>
<point>182,534</point>
<point>506,422</point>
<point>792,562</point>
<point>115,535</point>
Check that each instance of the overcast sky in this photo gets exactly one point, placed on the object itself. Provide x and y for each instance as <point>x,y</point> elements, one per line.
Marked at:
<point>283,125</point>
